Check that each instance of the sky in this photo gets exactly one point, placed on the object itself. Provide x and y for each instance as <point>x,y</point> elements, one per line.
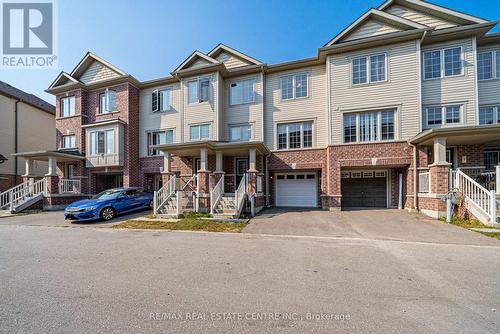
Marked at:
<point>148,39</point>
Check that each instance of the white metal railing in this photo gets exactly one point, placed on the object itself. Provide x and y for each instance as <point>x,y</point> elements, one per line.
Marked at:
<point>6,196</point>
<point>239,195</point>
<point>473,171</point>
<point>216,194</point>
<point>188,184</point>
<point>21,193</point>
<point>424,182</point>
<point>73,186</point>
<point>488,180</point>
<point>452,178</point>
<point>260,182</point>
<point>481,198</point>
<point>162,195</point>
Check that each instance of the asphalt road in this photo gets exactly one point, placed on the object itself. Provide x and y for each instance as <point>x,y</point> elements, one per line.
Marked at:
<point>82,280</point>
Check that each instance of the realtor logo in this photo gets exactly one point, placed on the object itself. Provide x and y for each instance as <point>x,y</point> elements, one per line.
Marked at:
<point>28,34</point>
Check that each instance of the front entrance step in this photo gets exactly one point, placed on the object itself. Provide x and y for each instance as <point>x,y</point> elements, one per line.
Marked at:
<point>29,201</point>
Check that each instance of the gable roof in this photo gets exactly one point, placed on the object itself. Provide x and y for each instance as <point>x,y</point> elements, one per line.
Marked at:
<point>87,60</point>
<point>35,101</point>
<point>224,48</point>
<point>62,79</point>
<point>433,9</point>
<point>196,55</point>
<point>378,15</point>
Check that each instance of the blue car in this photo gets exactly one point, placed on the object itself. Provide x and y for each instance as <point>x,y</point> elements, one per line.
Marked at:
<point>109,204</point>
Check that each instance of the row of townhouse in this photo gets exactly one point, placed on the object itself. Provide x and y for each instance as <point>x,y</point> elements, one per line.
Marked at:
<point>406,94</point>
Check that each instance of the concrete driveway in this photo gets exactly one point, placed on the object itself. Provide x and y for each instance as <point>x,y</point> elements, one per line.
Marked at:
<point>384,224</point>
<point>56,219</point>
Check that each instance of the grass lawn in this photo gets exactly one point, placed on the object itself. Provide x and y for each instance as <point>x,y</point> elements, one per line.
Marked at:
<point>192,222</point>
<point>473,223</point>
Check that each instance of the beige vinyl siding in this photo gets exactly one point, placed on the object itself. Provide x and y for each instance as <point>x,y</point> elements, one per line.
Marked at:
<point>149,120</point>
<point>420,17</point>
<point>489,90</point>
<point>230,61</point>
<point>199,63</point>
<point>450,90</point>
<point>313,107</point>
<point>400,91</point>
<point>371,28</point>
<point>201,113</point>
<point>248,113</point>
<point>97,72</point>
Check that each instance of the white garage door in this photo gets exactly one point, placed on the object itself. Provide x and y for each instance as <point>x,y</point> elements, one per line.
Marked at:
<point>296,190</point>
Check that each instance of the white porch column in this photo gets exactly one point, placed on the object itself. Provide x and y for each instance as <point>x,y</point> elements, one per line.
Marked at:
<point>439,150</point>
<point>166,162</point>
<point>203,160</point>
<point>28,167</point>
<point>218,161</point>
<point>252,160</point>
<point>497,169</point>
<point>52,170</point>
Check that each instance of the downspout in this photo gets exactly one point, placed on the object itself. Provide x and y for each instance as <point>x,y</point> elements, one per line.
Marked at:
<point>415,177</point>
<point>16,148</point>
<point>267,180</point>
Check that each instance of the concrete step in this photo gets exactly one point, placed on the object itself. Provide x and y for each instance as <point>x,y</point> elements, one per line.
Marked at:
<point>224,211</point>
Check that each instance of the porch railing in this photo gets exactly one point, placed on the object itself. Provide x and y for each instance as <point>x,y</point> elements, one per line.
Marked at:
<point>22,193</point>
<point>260,183</point>
<point>73,186</point>
<point>424,182</point>
<point>162,195</point>
<point>488,180</point>
<point>216,194</point>
<point>480,201</point>
<point>239,195</point>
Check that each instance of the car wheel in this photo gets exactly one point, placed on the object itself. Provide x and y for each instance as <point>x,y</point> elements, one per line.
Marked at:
<point>107,213</point>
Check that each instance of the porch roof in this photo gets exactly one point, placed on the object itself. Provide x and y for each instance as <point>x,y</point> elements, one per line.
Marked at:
<point>229,148</point>
<point>45,155</point>
<point>461,135</point>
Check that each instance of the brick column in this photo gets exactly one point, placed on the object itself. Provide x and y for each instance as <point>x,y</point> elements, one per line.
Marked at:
<point>252,182</point>
<point>203,191</point>
<point>439,177</point>
<point>52,184</point>
<point>165,177</point>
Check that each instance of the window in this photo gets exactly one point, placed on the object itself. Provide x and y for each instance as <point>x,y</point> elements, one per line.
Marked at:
<point>200,132</point>
<point>490,160</point>
<point>241,92</point>
<point>158,138</point>
<point>160,100</point>
<point>67,105</point>
<point>485,66</point>
<point>489,115</point>
<point>294,86</point>
<point>240,133</point>
<point>107,102</point>
<point>435,117</point>
<point>102,142</point>
<point>374,65</point>
<point>68,141</point>
<point>199,90</point>
<point>369,126</point>
<point>443,63</point>
<point>295,135</point>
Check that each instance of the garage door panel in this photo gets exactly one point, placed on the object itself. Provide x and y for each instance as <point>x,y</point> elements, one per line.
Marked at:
<point>294,192</point>
<point>364,192</point>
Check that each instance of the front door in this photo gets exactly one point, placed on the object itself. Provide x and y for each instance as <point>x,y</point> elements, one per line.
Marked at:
<point>241,169</point>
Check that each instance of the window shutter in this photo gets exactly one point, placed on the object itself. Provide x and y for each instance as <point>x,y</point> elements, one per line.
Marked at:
<point>154,101</point>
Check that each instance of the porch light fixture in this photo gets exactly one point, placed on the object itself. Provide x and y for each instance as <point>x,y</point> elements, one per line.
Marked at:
<point>2,159</point>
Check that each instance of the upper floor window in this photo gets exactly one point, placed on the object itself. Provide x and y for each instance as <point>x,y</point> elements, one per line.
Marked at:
<point>488,65</point>
<point>107,101</point>
<point>294,86</point>
<point>369,126</point>
<point>160,100</point>
<point>68,141</point>
<point>489,115</point>
<point>198,90</point>
<point>199,132</point>
<point>369,69</point>
<point>67,105</point>
<point>241,92</point>
<point>295,135</point>
<point>102,142</point>
<point>158,138</point>
<point>240,132</point>
<point>443,63</point>
<point>437,116</point>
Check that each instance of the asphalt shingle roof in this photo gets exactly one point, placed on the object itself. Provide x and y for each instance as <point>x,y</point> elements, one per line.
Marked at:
<point>28,98</point>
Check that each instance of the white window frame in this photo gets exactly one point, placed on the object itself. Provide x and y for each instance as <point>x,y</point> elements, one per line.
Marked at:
<point>71,105</point>
<point>105,131</point>
<point>198,90</point>
<point>494,74</point>
<point>107,102</point>
<point>240,126</point>
<point>240,82</point>
<point>199,131</point>
<point>379,126</point>
<point>442,63</point>
<point>496,110</point>
<point>425,125</point>
<point>368,69</point>
<point>157,100</point>
<point>294,86</point>
<point>63,141</point>
<point>287,125</point>
<point>489,151</point>
<point>150,134</point>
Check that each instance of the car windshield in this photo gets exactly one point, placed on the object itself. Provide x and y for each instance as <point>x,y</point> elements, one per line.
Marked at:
<point>108,194</point>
